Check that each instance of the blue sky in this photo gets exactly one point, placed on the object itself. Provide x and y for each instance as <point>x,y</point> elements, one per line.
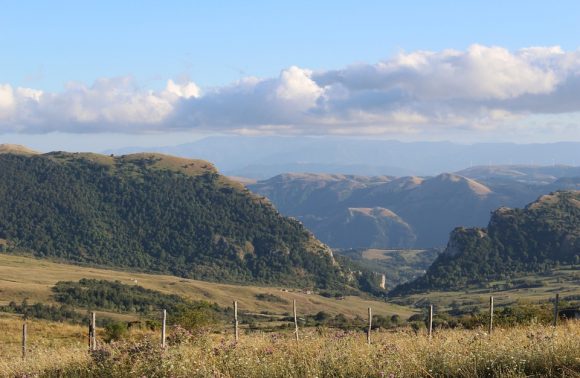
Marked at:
<point>214,44</point>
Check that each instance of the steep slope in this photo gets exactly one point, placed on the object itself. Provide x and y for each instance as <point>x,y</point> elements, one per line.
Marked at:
<point>544,233</point>
<point>442,203</point>
<point>374,227</point>
<point>154,213</point>
<point>298,194</point>
<point>426,209</point>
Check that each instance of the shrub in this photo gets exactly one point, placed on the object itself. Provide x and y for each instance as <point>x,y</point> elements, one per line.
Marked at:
<point>115,331</point>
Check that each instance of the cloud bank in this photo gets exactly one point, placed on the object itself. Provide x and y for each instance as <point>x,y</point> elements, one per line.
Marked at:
<point>480,89</point>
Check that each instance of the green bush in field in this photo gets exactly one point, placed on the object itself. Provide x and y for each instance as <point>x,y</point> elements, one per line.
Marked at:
<point>115,331</point>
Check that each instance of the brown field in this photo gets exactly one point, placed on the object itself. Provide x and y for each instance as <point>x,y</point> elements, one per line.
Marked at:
<point>25,277</point>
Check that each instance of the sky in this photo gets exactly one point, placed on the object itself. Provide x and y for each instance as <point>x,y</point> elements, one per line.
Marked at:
<point>99,75</point>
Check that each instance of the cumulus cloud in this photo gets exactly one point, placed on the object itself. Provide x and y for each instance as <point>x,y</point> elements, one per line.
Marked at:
<point>481,88</point>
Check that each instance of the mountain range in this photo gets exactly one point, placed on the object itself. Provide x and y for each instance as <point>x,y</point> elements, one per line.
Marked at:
<point>350,211</point>
<point>268,156</point>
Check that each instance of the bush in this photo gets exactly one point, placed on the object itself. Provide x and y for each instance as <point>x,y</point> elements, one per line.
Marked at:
<point>115,331</point>
<point>270,298</point>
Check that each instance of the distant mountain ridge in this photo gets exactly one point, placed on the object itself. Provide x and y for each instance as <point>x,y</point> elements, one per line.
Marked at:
<point>268,156</point>
<point>155,213</point>
<point>544,233</point>
<point>521,173</point>
<point>424,209</point>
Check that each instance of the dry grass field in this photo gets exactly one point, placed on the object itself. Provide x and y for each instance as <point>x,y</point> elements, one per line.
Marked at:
<point>25,277</point>
<point>57,350</point>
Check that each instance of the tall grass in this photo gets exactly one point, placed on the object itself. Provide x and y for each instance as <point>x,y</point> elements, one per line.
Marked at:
<point>523,351</point>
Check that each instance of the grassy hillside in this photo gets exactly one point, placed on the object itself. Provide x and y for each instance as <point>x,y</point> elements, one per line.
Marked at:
<point>543,235</point>
<point>155,213</point>
<point>25,277</point>
<point>16,149</point>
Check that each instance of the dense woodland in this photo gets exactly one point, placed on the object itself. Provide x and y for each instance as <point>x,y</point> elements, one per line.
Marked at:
<point>544,234</point>
<point>116,211</point>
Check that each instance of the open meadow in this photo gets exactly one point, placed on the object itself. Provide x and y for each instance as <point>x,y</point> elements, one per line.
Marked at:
<point>32,279</point>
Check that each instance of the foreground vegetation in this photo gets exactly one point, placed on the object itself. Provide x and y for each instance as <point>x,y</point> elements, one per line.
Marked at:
<point>60,350</point>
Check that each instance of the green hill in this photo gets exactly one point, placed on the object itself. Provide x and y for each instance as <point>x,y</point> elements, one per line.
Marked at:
<point>544,234</point>
<point>154,213</point>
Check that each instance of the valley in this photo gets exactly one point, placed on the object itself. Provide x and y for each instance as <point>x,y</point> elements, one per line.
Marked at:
<point>389,212</point>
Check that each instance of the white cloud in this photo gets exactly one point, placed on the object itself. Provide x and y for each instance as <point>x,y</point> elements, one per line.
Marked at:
<point>7,101</point>
<point>185,90</point>
<point>481,89</point>
<point>295,87</point>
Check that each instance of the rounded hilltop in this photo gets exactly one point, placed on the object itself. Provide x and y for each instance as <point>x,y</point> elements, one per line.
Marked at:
<point>151,160</point>
<point>16,149</point>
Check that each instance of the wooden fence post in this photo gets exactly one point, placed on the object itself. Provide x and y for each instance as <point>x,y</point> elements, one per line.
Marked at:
<point>430,321</point>
<point>236,331</point>
<point>490,330</point>
<point>24,337</point>
<point>295,319</point>
<point>163,325</point>
<point>556,304</point>
<point>93,332</point>
<point>370,326</point>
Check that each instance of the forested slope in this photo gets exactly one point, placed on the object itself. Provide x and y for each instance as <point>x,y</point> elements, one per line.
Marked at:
<point>533,239</point>
<point>154,213</point>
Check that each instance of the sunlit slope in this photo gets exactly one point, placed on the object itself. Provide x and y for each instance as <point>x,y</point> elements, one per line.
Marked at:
<point>25,277</point>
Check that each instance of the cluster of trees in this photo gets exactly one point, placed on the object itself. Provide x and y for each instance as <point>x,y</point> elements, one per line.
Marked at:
<point>57,313</point>
<point>77,299</point>
<point>118,297</point>
<point>130,213</point>
<point>534,239</point>
<point>114,296</point>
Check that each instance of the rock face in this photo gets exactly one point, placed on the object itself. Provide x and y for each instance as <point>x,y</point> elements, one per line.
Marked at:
<point>544,233</point>
<point>158,213</point>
